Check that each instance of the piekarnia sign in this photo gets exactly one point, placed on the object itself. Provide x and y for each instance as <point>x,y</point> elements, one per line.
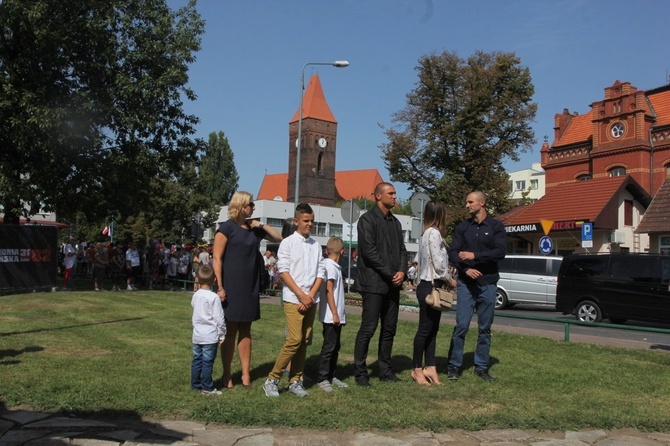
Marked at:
<point>521,228</point>
<point>566,225</point>
<point>28,257</point>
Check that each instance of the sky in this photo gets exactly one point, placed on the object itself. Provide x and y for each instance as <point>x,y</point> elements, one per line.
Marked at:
<point>247,74</point>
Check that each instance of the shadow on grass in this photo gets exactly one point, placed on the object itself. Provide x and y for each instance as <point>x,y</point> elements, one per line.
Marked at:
<point>19,426</point>
<point>13,353</point>
<point>67,327</point>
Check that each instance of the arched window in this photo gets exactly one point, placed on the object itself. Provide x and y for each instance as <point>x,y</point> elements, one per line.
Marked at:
<point>584,177</point>
<point>319,165</point>
<point>618,172</point>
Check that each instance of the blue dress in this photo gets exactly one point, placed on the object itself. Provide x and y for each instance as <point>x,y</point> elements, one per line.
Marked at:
<point>241,271</point>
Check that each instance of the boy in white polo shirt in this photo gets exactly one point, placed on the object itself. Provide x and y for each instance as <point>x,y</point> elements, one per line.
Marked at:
<point>332,316</point>
<point>300,265</point>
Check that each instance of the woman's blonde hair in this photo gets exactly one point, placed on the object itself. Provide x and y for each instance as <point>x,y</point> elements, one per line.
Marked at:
<point>239,200</point>
<point>435,216</point>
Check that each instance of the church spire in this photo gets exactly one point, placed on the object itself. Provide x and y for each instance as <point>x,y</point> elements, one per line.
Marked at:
<point>314,103</point>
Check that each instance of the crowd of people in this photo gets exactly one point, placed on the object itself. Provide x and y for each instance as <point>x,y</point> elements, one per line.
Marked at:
<point>310,282</point>
<point>125,266</point>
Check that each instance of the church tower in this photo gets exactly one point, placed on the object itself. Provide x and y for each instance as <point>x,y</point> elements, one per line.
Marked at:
<point>317,152</point>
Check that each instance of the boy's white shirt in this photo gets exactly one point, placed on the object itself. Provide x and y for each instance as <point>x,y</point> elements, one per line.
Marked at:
<point>302,258</point>
<point>209,324</point>
<point>334,273</point>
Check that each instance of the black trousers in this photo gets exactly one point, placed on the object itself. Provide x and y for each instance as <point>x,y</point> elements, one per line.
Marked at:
<point>329,352</point>
<point>429,325</point>
<point>376,308</point>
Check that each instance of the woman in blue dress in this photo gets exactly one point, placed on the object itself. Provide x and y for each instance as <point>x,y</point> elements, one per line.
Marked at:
<point>237,265</point>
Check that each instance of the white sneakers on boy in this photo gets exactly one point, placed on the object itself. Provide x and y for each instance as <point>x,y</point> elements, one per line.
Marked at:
<point>271,387</point>
<point>337,383</point>
<point>297,389</point>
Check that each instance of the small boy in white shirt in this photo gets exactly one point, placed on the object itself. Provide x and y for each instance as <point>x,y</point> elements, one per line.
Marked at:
<point>300,265</point>
<point>209,330</point>
<point>332,316</point>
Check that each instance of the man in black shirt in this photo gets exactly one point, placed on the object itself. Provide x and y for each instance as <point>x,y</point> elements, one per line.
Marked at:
<point>479,243</point>
<point>382,265</point>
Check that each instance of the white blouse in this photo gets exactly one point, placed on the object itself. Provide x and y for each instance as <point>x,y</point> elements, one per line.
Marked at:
<point>432,240</point>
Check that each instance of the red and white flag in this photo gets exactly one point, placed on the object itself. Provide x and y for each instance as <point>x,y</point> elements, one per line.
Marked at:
<point>105,231</point>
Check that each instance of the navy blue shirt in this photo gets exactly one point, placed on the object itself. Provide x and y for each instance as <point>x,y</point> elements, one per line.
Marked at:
<point>487,240</point>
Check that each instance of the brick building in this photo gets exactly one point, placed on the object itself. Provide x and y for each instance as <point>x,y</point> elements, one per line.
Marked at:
<point>625,134</point>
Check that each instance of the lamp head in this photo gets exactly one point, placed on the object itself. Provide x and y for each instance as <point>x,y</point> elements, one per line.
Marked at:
<point>341,63</point>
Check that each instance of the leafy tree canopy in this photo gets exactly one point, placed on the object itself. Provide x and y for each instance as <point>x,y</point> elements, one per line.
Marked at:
<point>218,174</point>
<point>91,112</point>
<point>462,120</point>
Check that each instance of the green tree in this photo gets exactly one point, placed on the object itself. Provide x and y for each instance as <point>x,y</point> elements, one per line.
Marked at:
<point>92,103</point>
<point>218,174</point>
<point>463,119</point>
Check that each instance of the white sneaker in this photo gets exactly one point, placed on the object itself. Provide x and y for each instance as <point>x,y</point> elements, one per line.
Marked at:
<point>337,383</point>
<point>325,386</point>
<point>130,288</point>
<point>297,389</point>
<point>211,392</point>
<point>271,387</point>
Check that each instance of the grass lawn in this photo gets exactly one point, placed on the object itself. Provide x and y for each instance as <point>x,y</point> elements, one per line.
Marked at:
<point>95,353</point>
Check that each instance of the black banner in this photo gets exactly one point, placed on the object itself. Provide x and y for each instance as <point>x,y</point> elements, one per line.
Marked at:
<point>28,257</point>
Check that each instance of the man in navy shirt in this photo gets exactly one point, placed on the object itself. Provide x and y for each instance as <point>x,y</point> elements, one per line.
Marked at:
<point>478,245</point>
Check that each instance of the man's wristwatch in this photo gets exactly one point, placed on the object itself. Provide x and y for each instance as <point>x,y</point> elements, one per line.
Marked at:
<point>261,224</point>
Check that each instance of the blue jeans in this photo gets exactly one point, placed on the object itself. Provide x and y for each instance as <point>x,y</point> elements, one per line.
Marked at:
<point>469,297</point>
<point>202,366</point>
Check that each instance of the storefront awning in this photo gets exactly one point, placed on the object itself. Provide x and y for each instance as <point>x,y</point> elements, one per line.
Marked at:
<point>595,201</point>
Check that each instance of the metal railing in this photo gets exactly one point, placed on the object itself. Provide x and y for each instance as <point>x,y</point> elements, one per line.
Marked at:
<point>567,322</point>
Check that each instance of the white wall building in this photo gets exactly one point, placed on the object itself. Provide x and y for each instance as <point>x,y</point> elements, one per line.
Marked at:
<point>527,180</point>
<point>328,222</point>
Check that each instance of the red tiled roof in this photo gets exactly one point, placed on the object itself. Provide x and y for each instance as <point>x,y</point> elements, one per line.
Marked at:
<point>510,216</point>
<point>273,185</point>
<point>657,216</point>
<point>348,184</point>
<point>579,129</point>
<point>661,103</point>
<point>356,183</point>
<point>591,200</point>
<point>314,103</point>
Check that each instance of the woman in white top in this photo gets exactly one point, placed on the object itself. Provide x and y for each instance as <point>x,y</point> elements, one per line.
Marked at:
<point>433,265</point>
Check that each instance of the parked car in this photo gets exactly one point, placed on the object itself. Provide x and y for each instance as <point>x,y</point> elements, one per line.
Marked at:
<point>617,287</point>
<point>348,281</point>
<point>527,279</point>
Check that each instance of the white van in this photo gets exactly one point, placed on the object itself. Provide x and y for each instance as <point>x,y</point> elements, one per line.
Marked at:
<point>527,279</point>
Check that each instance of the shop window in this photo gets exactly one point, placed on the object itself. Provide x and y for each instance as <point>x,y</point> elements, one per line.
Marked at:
<point>335,230</point>
<point>664,244</point>
<point>320,229</point>
<point>618,172</point>
<point>628,212</point>
<point>276,223</point>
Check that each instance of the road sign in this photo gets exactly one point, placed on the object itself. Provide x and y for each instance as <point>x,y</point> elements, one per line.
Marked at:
<point>546,245</point>
<point>350,211</point>
<point>418,202</point>
<point>587,235</point>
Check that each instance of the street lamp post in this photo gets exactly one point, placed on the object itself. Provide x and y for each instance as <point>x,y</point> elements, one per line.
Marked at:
<point>338,64</point>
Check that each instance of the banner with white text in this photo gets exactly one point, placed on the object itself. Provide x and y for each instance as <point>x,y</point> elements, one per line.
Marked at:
<point>28,257</point>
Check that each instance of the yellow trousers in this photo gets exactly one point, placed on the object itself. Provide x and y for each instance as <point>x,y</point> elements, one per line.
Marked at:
<point>294,350</point>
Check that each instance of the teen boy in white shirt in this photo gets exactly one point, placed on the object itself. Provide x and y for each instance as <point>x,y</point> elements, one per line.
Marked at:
<point>300,265</point>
